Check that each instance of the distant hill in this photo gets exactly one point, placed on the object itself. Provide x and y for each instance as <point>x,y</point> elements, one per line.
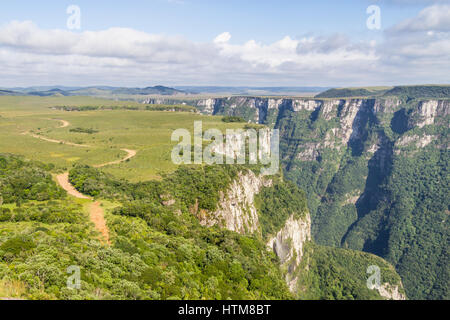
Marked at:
<point>414,92</point>
<point>49,93</point>
<point>407,92</point>
<point>352,92</point>
<point>268,91</point>
<point>9,93</point>
<point>158,90</point>
<point>100,91</point>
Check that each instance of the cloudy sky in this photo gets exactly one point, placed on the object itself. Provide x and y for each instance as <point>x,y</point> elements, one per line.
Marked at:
<point>232,43</point>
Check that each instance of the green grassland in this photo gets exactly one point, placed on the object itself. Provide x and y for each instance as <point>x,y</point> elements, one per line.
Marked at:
<point>148,132</point>
<point>157,250</point>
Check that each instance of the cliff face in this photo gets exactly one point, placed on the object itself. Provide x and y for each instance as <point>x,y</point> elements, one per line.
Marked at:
<point>288,245</point>
<point>344,153</point>
<point>391,292</point>
<point>239,210</point>
<point>236,209</point>
<point>356,160</point>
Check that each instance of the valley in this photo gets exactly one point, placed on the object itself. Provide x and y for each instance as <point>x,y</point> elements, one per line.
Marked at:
<point>364,182</point>
<point>374,168</point>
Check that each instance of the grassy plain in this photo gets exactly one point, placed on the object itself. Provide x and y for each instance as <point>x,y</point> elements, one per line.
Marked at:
<point>147,132</point>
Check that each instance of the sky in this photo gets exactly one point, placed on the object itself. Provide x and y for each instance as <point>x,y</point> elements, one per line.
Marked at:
<point>139,43</point>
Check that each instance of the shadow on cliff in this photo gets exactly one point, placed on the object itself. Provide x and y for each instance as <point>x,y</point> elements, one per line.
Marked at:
<point>379,169</point>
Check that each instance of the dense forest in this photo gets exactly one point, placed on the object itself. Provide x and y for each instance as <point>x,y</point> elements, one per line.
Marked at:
<point>159,249</point>
<point>385,191</point>
<point>156,254</point>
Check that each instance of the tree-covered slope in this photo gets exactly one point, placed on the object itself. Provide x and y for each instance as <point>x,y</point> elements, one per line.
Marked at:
<point>171,206</point>
<point>376,175</point>
<point>159,249</point>
<point>157,252</point>
<point>357,151</point>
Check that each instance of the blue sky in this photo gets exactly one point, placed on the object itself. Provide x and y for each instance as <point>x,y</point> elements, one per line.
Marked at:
<point>202,20</point>
<point>321,42</point>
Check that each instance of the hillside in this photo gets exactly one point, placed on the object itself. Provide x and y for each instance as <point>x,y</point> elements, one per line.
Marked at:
<point>161,247</point>
<point>351,92</point>
<point>405,92</point>
<point>420,92</point>
<point>374,171</point>
<point>100,91</point>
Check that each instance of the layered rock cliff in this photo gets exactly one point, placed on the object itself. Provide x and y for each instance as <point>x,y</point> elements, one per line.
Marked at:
<point>238,210</point>
<point>356,159</point>
<point>288,245</point>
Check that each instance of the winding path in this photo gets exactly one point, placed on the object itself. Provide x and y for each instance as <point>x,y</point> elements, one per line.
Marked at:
<point>64,123</point>
<point>96,212</point>
<point>131,154</point>
<point>56,141</point>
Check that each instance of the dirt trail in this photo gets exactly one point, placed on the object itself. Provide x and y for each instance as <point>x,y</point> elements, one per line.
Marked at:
<point>63,180</point>
<point>97,216</point>
<point>96,212</point>
<point>131,154</point>
<point>56,141</point>
<point>64,123</point>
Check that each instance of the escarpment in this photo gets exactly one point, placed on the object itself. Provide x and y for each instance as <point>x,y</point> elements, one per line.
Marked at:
<point>236,209</point>
<point>247,207</point>
<point>356,159</point>
<point>288,245</point>
<point>374,173</point>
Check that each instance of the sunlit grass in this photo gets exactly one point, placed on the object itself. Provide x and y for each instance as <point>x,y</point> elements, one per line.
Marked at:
<point>148,132</point>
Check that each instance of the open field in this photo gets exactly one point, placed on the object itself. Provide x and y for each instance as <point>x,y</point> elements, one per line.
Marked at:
<point>25,119</point>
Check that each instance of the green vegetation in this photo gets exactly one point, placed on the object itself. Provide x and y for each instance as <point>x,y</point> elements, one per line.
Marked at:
<point>404,92</point>
<point>392,202</point>
<point>277,203</point>
<point>173,108</point>
<point>170,207</point>
<point>156,107</point>
<point>420,92</point>
<point>22,180</point>
<point>351,92</point>
<point>156,253</point>
<point>229,119</point>
<point>377,193</point>
<point>339,274</point>
<point>146,131</point>
<point>83,130</point>
<point>413,222</point>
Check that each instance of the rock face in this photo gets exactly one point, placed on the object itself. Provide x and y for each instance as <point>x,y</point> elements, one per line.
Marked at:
<point>288,245</point>
<point>429,111</point>
<point>236,210</point>
<point>391,292</point>
<point>341,152</point>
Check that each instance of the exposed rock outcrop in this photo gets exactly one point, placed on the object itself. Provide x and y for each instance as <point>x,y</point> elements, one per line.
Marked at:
<point>420,142</point>
<point>429,111</point>
<point>236,209</point>
<point>237,212</point>
<point>391,292</point>
<point>288,245</point>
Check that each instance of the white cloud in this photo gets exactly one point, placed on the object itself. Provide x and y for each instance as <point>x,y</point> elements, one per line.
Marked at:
<point>409,53</point>
<point>222,38</point>
<point>433,18</point>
